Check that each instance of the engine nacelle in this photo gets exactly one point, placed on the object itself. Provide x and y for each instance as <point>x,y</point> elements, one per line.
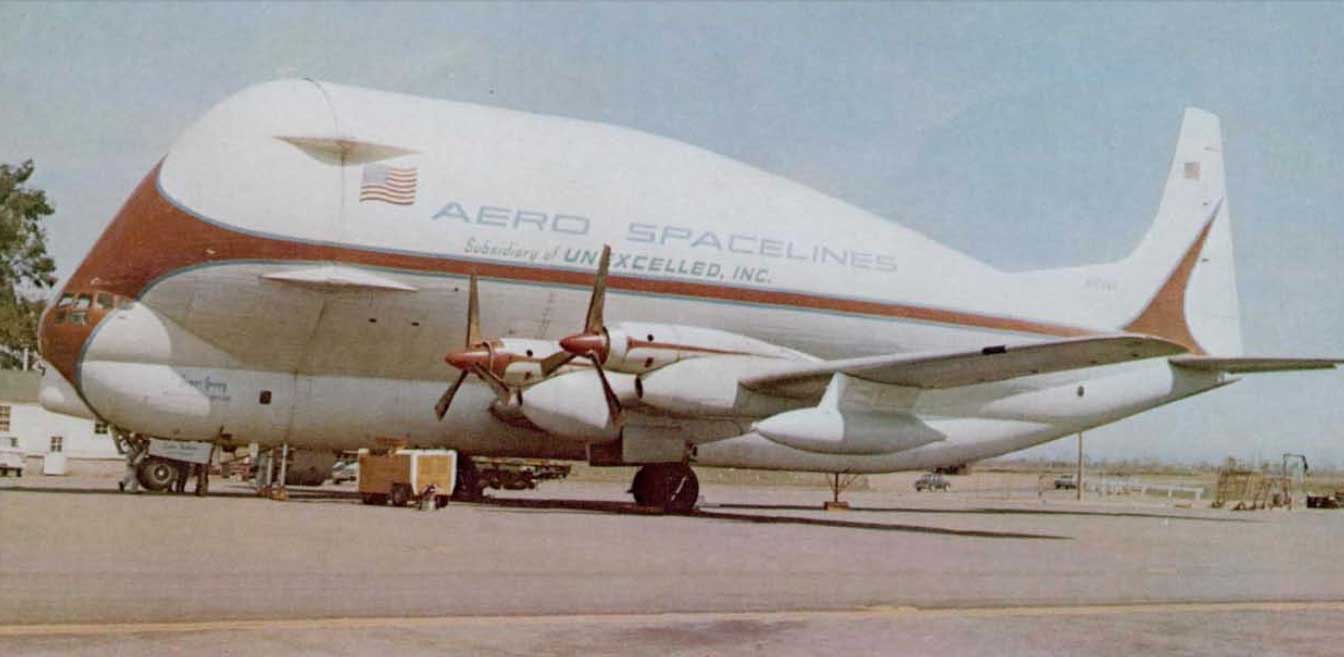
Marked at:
<point>637,347</point>
<point>573,405</point>
<point>708,386</point>
<point>832,431</point>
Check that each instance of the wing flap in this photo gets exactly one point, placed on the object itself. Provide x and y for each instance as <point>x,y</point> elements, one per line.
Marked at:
<point>1254,365</point>
<point>953,369</point>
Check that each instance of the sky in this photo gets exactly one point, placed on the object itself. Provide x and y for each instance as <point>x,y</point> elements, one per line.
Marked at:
<point>1029,136</point>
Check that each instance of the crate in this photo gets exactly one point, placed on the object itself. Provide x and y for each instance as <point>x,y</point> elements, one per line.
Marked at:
<point>403,476</point>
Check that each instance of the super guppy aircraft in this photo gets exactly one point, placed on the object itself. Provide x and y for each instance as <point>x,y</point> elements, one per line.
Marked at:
<point>314,264</point>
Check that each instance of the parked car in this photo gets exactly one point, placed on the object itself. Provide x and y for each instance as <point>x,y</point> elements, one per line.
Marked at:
<point>11,456</point>
<point>932,481</point>
<point>1066,482</point>
<point>345,471</point>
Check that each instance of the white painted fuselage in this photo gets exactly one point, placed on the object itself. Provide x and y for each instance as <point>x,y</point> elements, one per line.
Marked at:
<point>275,297</point>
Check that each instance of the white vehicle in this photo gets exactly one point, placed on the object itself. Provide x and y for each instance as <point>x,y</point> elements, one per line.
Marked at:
<point>11,456</point>
<point>295,268</point>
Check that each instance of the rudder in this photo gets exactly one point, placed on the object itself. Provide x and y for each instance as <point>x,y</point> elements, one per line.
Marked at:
<point>1190,246</point>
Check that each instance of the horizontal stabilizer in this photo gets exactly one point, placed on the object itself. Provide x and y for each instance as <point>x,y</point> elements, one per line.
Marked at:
<point>953,369</point>
<point>1254,365</point>
<point>338,277</point>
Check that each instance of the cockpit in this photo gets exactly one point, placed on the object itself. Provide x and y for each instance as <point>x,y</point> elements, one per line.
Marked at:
<point>85,308</point>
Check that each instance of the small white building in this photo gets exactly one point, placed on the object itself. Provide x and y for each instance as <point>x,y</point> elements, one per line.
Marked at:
<point>40,431</point>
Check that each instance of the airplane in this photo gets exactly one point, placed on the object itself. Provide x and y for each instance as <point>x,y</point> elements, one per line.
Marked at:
<point>320,266</point>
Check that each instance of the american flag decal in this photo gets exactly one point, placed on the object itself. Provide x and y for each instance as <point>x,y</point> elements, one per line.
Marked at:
<point>394,185</point>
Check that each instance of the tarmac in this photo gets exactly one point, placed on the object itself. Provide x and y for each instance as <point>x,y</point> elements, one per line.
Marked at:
<point>575,569</point>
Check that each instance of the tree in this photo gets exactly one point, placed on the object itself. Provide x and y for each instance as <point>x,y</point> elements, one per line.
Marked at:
<point>25,268</point>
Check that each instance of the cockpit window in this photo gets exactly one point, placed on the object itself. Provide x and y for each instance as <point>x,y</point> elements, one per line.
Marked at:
<point>66,299</point>
<point>83,302</point>
<point>104,300</point>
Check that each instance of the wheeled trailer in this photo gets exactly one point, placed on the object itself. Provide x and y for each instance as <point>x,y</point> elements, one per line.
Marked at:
<point>402,476</point>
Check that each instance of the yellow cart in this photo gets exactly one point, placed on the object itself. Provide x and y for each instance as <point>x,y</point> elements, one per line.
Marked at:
<point>403,476</point>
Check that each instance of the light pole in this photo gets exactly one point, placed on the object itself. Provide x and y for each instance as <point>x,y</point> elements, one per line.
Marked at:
<point>1078,476</point>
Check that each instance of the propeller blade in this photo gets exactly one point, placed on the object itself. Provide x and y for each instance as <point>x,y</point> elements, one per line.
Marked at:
<point>556,361</point>
<point>613,402</point>
<point>441,408</point>
<point>594,321</point>
<point>500,388</point>
<point>473,314</point>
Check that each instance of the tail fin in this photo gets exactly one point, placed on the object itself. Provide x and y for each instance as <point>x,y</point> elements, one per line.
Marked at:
<point>1186,258</point>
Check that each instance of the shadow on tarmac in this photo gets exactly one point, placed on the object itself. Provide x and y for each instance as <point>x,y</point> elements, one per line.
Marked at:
<point>629,508</point>
<point>987,511</point>
<point>296,494</point>
<point>722,512</point>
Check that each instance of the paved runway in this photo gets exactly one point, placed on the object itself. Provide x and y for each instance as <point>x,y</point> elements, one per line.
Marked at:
<point>1310,629</point>
<point>595,577</point>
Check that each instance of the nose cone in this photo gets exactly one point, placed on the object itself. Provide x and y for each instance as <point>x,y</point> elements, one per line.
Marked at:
<point>586,343</point>
<point>464,359</point>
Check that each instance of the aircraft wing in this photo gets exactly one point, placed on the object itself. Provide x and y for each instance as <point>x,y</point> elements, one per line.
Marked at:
<point>1254,365</point>
<point>953,369</point>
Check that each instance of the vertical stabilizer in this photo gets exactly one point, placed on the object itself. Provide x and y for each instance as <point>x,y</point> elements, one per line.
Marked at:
<point>1189,248</point>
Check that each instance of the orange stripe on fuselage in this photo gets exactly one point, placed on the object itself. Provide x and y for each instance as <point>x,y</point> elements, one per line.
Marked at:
<point>150,238</point>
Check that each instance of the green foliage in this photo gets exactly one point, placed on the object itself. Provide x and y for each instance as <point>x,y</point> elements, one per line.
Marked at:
<point>25,267</point>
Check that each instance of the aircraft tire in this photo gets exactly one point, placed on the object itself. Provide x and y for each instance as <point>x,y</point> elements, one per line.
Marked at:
<point>469,482</point>
<point>401,495</point>
<point>673,487</point>
<point>156,474</point>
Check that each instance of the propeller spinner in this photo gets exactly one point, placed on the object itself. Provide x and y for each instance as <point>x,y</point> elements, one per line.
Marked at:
<point>593,343</point>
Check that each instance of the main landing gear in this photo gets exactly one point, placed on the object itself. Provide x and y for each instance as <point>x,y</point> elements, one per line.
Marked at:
<point>672,487</point>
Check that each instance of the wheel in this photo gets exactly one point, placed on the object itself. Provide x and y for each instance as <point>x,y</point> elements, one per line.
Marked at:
<point>468,486</point>
<point>670,486</point>
<point>4,472</point>
<point>401,495</point>
<point>375,499</point>
<point>156,474</point>
<point>440,501</point>
<point>641,486</point>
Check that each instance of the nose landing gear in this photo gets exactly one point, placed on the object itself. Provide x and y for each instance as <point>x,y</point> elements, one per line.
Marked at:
<point>672,487</point>
<point>156,474</point>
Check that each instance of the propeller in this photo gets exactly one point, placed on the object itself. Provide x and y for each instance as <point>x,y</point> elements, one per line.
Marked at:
<point>592,344</point>
<point>473,358</point>
<point>441,408</point>
<point>613,402</point>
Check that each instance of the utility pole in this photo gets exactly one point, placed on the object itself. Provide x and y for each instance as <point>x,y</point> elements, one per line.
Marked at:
<point>1078,476</point>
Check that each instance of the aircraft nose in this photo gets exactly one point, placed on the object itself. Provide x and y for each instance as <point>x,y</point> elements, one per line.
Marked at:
<point>67,325</point>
